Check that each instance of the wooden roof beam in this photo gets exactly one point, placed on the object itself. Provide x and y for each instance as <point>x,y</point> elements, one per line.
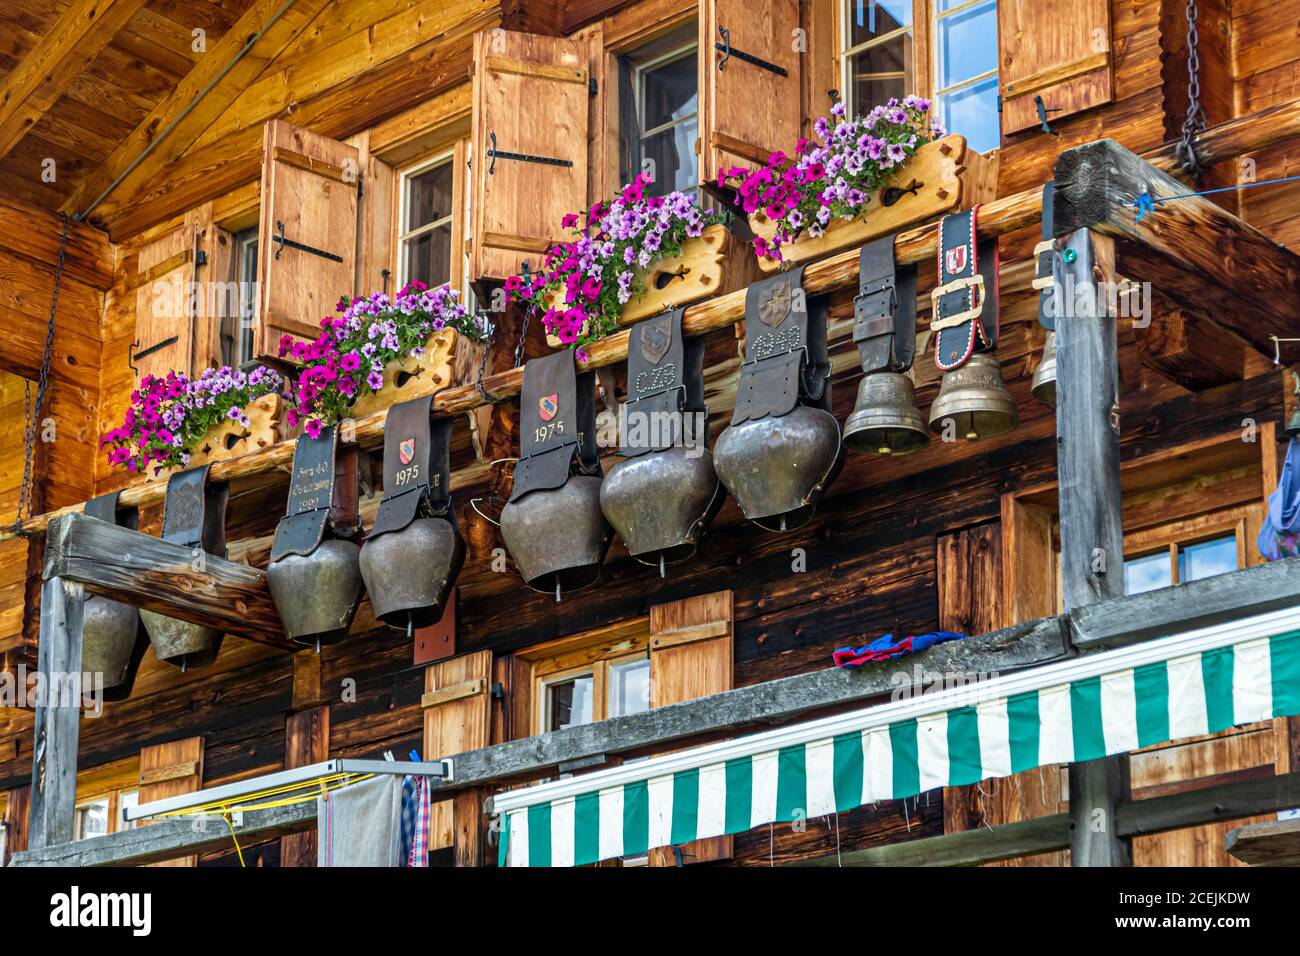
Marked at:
<point>1194,253</point>
<point>243,52</point>
<point>159,575</point>
<point>43,75</point>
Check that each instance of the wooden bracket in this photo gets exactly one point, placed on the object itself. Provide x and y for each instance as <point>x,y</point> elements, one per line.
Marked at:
<point>688,635</point>
<point>445,695</point>
<point>176,771</point>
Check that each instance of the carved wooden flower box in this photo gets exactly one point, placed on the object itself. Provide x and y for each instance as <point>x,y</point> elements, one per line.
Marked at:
<point>947,175</point>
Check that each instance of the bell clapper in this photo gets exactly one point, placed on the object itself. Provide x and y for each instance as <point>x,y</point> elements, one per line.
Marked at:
<point>318,647</point>
<point>557,589</point>
<point>662,569</point>
<point>782,523</point>
<point>410,627</point>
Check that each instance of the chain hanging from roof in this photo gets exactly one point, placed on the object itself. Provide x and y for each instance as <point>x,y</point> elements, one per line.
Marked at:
<point>32,411</point>
<point>1195,120</point>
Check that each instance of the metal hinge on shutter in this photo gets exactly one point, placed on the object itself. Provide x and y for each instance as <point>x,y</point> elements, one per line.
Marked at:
<point>494,154</point>
<point>280,242</point>
<point>132,356</point>
<point>728,51</point>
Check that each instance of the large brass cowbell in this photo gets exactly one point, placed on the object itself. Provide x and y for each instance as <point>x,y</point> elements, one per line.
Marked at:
<point>414,552</point>
<point>782,448</point>
<point>315,570</point>
<point>552,525</point>
<point>113,640</point>
<point>664,492</point>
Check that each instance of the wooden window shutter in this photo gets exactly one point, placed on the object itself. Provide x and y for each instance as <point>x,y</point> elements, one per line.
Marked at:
<point>747,111</point>
<point>309,197</point>
<point>457,706</point>
<point>216,308</point>
<point>530,119</point>
<point>1057,49</point>
<point>169,770</point>
<point>691,656</point>
<point>164,312</point>
<point>375,225</point>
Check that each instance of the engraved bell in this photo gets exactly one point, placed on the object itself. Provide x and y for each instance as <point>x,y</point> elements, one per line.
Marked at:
<point>181,643</point>
<point>660,503</point>
<point>414,551</point>
<point>109,631</point>
<point>317,594</point>
<point>558,536</point>
<point>974,399</point>
<point>1044,383</point>
<point>410,572</point>
<point>885,420</point>
<point>778,468</point>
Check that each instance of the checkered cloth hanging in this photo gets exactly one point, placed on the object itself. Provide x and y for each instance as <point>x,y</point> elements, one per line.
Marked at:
<point>416,814</point>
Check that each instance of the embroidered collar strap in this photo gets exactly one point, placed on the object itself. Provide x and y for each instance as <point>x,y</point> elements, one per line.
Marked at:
<point>1043,281</point>
<point>665,383</point>
<point>786,363</point>
<point>323,495</point>
<point>557,422</point>
<point>965,303</point>
<point>194,512</point>
<point>884,311</point>
<point>417,466</point>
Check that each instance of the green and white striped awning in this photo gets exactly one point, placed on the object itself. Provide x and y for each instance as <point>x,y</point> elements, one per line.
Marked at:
<point>1079,709</point>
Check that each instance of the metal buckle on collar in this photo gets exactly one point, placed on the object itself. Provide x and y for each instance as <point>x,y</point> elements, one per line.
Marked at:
<point>1043,282</point>
<point>876,304</point>
<point>975,282</point>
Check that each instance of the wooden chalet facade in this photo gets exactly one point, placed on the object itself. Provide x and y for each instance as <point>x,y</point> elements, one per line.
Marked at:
<point>365,129</point>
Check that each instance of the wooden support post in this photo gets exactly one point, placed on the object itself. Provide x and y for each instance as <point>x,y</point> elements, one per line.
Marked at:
<point>306,741</point>
<point>1092,536</point>
<point>58,715</point>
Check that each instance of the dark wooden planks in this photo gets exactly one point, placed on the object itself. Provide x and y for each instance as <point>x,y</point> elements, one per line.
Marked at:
<point>1276,843</point>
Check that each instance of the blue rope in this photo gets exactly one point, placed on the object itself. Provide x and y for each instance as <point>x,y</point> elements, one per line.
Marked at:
<point>1145,203</point>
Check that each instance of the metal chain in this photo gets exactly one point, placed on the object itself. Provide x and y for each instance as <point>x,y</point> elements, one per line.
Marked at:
<point>32,413</point>
<point>1195,120</point>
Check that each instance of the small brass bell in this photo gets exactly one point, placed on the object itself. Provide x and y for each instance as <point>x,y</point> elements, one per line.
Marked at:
<point>975,400</point>
<point>1044,384</point>
<point>885,420</point>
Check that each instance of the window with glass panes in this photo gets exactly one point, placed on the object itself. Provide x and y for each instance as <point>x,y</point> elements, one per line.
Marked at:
<point>943,49</point>
<point>659,112</point>
<point>604,689</point>
<point>424,237</point>
<point>1179,562</point>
